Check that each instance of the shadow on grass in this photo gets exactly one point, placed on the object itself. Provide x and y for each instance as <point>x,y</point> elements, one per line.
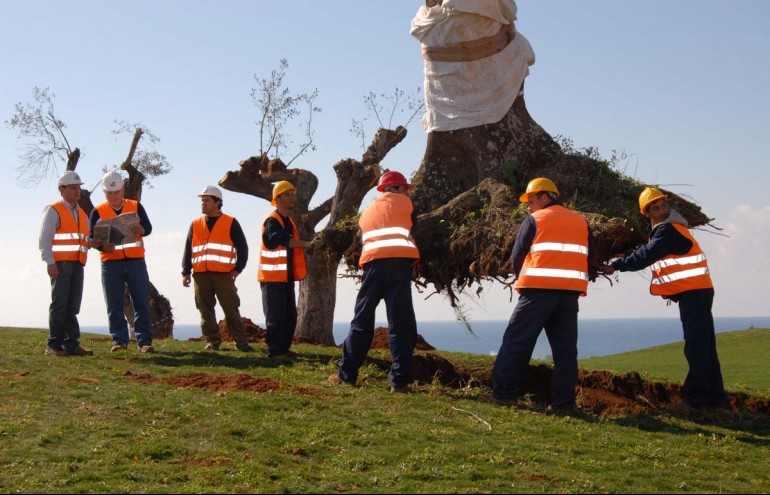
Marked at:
<point>235,359</point>
<point>750,428</point>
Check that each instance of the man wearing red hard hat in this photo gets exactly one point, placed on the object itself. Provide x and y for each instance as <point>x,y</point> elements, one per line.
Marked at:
<point>387,257</point>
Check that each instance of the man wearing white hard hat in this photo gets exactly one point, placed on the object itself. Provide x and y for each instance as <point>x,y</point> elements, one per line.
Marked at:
<point>64,245</point>
<point>123,265</point>
<point>215,253</point>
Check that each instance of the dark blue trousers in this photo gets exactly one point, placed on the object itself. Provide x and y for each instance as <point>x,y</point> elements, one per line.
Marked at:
<point>556,311</point>
<point>280,308</point>
<point>116,274</point>
<point>66,296</point>
<point>703,386</point>
<point>389,279</point>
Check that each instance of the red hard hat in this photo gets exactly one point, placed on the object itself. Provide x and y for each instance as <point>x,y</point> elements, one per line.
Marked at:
<point>391,179</point>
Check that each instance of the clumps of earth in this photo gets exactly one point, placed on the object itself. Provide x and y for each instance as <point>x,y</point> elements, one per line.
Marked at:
<point>603,393</point>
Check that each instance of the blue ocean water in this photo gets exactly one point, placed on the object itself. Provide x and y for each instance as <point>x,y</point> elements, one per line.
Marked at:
<point>596,337</point>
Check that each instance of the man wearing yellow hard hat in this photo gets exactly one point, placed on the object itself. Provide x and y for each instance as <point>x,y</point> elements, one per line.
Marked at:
<point>680,273</point>
<point>550,260</point>
<point>281,263</point>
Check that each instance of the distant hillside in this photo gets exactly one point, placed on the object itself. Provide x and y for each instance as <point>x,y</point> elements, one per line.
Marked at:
<point>742,354</point>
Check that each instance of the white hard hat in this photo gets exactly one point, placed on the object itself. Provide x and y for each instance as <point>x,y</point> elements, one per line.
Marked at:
<point>211,191</point>
<point>70,178</point>
<point>112,181</point>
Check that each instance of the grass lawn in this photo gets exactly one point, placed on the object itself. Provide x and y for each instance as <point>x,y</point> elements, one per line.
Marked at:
<point>173,422</point>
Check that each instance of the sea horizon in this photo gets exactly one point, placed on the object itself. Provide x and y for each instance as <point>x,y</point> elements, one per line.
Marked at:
<point>596,336</point>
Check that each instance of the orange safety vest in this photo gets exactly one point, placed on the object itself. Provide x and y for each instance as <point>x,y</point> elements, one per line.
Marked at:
<point>213,251</point>
<point>273,263</point>
<point>70,242</point>
<point>558,257</point>
<point>127,249</point>
<point>386,227</point>
<point>678,273</point>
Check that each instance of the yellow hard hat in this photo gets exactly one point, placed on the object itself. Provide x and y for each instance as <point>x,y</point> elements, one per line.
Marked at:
<point>541,184</point>
<point>280,188</point>
<point>649,195</point>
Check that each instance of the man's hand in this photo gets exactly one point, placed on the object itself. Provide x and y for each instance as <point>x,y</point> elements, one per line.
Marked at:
<point>53,271</point>
<point>606,269</point>
<point>234,274</point>
<point>186,280</point>
<point>137,229</point>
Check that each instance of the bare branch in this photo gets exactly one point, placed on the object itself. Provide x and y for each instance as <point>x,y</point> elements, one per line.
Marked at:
<point>46,142</point>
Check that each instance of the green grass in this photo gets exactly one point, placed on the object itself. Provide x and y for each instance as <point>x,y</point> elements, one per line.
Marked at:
<point>73,425</point>
<point>743,356</point>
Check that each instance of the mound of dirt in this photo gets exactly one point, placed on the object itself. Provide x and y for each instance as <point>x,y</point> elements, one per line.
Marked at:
<point>601,392</point>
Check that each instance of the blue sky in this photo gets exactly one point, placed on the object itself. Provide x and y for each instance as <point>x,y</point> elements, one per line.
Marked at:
<point>680,86</point>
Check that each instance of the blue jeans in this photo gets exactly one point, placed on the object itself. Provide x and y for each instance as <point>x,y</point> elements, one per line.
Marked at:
<point>116,275</point>
<point>66,295</point>
<point>556,311</point>
<point>389,279</point>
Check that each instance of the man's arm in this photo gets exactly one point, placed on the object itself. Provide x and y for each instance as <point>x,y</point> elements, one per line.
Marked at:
<point>144,220</point>
<point>187,256</point>
<point>275,235</point>
<point>523,243</point>
<point>48,227</point>
<point>241,246</point>
<point>665,240</point>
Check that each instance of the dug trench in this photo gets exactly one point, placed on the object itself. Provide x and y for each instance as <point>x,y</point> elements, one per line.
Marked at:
<point>602,393</point>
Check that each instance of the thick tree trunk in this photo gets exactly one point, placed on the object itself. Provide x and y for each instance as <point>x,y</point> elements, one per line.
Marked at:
<point>317,299</point>
<point>318,292</point>
<point>456,161</point>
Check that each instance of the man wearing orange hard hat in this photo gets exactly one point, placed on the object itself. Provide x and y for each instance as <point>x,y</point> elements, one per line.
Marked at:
<point>281,263</point>
<point>680,273</point>
<point>387,256</point>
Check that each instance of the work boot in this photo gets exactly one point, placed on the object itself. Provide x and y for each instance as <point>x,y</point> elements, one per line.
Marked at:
<point>211,347</point>
<point>335,379</point>
<point>50,351</point>
<point>146,349</point>
<point>280,357</point>
<point>493,399</point>
<point>396,389</point>
<point>80,351</point>
<point>570,410</point>
<point>679,409</point>
<point>118,347</point>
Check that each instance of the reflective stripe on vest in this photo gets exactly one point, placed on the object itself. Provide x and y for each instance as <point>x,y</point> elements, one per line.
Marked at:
<point>675,274</point>
<point>127,249</point>
<point>558,257</point>
<point>385,229</point>
<point>70,242</point>
<point>273,263</point>
<point>399,237</point>
<point>213,251</point>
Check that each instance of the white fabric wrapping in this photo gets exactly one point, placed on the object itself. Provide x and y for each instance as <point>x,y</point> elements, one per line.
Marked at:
<point>468,94</point>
